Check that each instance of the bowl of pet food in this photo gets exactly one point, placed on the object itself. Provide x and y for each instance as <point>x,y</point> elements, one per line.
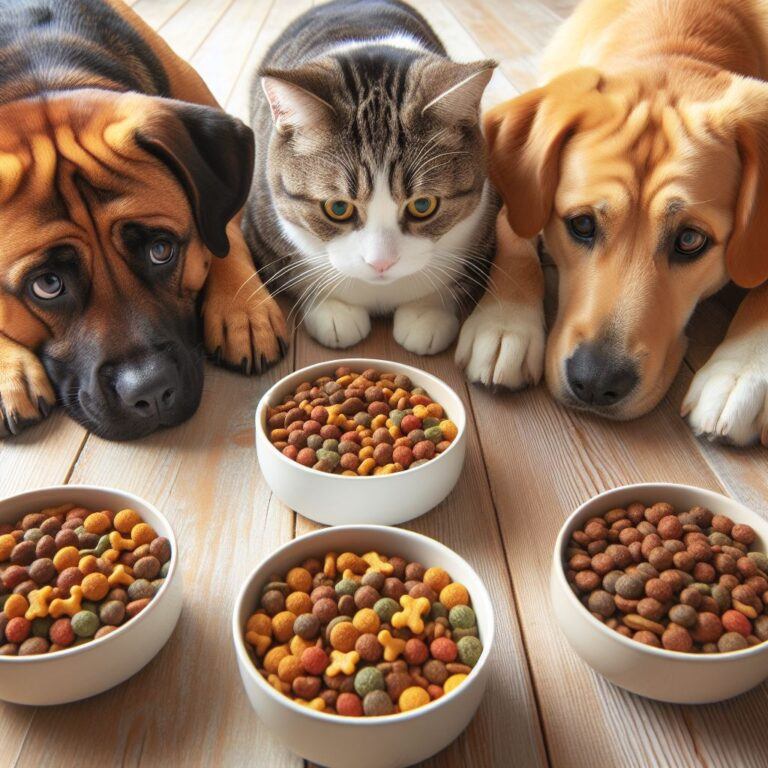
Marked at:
<point>361,441</point>
<point>364,640</point>
<point>663,589</point>
<point>90,591</point>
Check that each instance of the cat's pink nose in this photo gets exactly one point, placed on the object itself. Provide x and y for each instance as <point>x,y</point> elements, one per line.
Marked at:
<point>382,264</point>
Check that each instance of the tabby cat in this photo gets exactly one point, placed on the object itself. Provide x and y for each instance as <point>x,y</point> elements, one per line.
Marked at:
<point>370,192</point>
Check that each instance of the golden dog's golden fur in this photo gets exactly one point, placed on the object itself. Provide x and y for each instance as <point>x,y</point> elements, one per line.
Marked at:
<point>653,119</point>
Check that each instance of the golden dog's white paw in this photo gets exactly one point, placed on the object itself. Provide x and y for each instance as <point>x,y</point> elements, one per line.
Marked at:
<point>337,324</point>
<point>26,393</point>
<point>424,329</point>
<point>502,344</point>
<point>244,332</point>
<point>728,397</point>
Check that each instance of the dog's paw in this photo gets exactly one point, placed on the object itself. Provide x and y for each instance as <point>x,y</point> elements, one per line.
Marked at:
<point>728,398</point>
<point>337,324</point>
<point>26,393</point>
<point>502,344</point>
<point>244,331</point>
<point>424,329</point>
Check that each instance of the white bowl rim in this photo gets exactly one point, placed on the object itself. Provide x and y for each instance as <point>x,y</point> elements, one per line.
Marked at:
<point>677,656</point>
<point>380,720</point>
<point>261,407</point>
<point>134,622</point>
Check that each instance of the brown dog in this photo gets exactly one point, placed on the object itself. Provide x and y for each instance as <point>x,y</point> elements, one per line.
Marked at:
<point>120,186</point>
<point>643,163</point>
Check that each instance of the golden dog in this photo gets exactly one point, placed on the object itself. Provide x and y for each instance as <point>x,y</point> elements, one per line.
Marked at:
<point>120,186</point>
<point>643,164</point>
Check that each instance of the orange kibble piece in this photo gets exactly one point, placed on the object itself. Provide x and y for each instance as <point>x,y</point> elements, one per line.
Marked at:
<point>67,557</point>
<point>298,603</point>
<point>299,580</point>
<point>16,605</point>
<point>344,636</point>
<point>289,669</point>
<point>88,564</point>
<point>449,429</point>
<point>366,620</point>
<point>298,645</point>
<point>352,562</point>
<point>435,410</point>
<point>282,626</point>
<point>274,657</point>
<point>126,520</point>
<point>454,594</point>
<point>143,534</point>
<point>7,543</point>
<point>437,579</point>
<point>97,522</point>
<point>95,586</point>
<point>260,623</point>
<point>413,698</point>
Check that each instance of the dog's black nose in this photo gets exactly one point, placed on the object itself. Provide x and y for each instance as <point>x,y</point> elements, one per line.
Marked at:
<point>148,387</point>
<point>599,377</point>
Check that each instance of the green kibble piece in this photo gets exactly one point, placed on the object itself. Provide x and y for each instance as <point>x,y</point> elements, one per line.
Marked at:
<point>332,458</point>
<point>438,611</point>
<point>331,445</point>
<point>378,703</point>
<point>89,605</point>
<point>429,422</point>
<point>457,634</point>
<point>435,434</point>
<point>705,589</point>
<point>386,608</point>
<point>315,442</point>
<point>722,597</point>
<point>716,538</point>
<point>418,391</point>
<point>396,416</point>
<point>470,650</point>
<point>368,679</point>
<point>684,615</point>
<point>102,546</point>
<point>346,587</point>
<point>33,534</point>
<point>140,589</point>
<point>112,613</point>
<point>462,617</point>
<point>761,626</point>
<point>760,559</point>
<point>732,641</point>
<point>85,624</point>
<point>41,626</point>
<point>164,568</point>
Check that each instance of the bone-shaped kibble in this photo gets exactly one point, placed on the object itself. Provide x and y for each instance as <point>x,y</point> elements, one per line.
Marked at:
<point>317,704</point>
<point>70,606</point>
<point>116,541</point>
<point>377,564</point>
<point>342,663</point>
<point>393,646</point>
<point>38,603</point>
<point>410,616</point>
<point>120,576</point>
<point>259,642</point>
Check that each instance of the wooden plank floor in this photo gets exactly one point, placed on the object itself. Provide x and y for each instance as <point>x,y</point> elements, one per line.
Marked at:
<point>530,462</point>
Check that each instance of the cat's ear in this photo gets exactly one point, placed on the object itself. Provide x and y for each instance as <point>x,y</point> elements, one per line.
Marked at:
<point>294,107</point>
<point>454,90</point>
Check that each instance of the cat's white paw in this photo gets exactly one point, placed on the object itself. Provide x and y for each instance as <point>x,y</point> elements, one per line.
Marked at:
<point>502,344</point>
<point>728,397</point>
<point>424,329</point>
<point>337,324</point>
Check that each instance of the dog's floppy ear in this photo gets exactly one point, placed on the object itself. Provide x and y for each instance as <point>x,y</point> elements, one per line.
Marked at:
<point>525,137</point>
<point>747,250</point>
<point>211,154</point>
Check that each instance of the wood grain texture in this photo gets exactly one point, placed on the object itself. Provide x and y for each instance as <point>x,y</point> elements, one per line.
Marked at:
<point>530,462</point>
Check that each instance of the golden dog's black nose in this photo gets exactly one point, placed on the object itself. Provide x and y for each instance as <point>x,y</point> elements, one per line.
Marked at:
<point>148,388</point>
<point>599,376</point>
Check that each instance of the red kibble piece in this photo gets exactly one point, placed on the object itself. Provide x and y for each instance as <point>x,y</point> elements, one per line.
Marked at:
<point>330,432</point>
<point>319,414</point>
<point>349,705</point>
<point>17,630</point>
<point>314,660</point>
<point>670,527</point>
<point>61,632</point>
<point>14,575</point>
<point>291,451</point>
<point>383,453</point>
<point>402,454</point>
<point>306,457</point>
<point>312,427</point>
<point>734,621</point>
<point>722,524</point>
<point>443,649</point>
<point>410,422</point>
<point>704,573</point>
<point>416,652</point>
<point>424,449</point>
<point>744,534</point>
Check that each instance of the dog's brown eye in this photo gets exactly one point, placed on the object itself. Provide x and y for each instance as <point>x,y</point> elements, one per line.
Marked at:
<point>48,286</point>
<point>582,227</point>
<point>161,251</point>
<point>690,242</point>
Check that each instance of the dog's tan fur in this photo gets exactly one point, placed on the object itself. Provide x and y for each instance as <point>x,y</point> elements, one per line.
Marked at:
<point>90,131</point>
<point>654,116</point>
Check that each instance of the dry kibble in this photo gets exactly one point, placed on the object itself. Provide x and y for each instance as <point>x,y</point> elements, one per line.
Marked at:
<point>683,580</point>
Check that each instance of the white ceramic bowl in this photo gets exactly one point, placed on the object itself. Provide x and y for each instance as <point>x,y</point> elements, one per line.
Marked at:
<point>375,742</point>
<point>681,678</point>
<point>380,499</point>
<point>85,670</point>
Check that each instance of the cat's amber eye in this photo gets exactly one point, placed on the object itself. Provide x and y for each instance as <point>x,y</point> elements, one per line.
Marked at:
<point>338,210</point>
<point>422,207</point>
